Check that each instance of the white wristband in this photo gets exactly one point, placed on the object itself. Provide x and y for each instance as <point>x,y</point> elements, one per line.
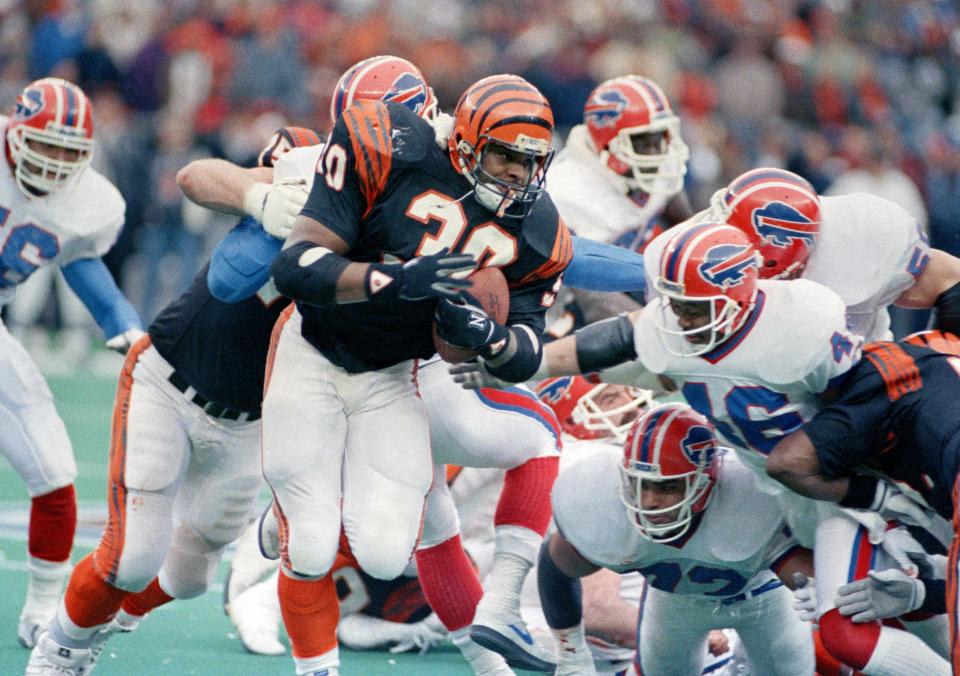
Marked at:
<point>254,199</point>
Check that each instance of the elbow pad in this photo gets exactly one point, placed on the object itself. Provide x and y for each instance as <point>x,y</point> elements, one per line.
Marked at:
<point>604,344</point>
<point>561,596</point>
<point>519,359</point>
<point>948,310</point>
<point>308,272</point>
<point>240,264</point>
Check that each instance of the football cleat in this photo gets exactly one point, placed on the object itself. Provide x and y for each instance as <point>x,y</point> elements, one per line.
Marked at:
<point>49,658</point>
<point>256,615</point>
<point>509,636</point>
<point>269,534</point>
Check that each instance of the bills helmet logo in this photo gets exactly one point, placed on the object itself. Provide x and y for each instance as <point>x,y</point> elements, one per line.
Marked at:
<point>605,108</point>
<point>408,90</point>
<point>553,390</point>
<point>29,104</point>
<point>781,224</point>
<point>699,445</point>
<point>726,265</point>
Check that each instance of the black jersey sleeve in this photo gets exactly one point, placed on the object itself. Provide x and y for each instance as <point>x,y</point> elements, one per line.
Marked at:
<point>848,432</point>
<point>352,170</point>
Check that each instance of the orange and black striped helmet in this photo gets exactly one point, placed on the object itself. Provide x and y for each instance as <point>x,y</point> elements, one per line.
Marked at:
<point>941,341</point>
<point>509,112</point>
<point>283,140</point>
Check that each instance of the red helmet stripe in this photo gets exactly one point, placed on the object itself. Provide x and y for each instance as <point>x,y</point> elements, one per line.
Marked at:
<point>651,93</point>
<point>671,267</point>
<point>652,437</point>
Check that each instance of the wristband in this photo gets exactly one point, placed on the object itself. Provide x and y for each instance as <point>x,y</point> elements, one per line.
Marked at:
<point>861,492</point>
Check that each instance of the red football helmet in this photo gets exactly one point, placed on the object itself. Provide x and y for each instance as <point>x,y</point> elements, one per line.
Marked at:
<point>713,264</point>
<point>509,113</point>
<point>593,411</point>
<point>669,442</point>
<point>778,211</point>
<point>637,134</point>
<point>49,136</point>
<point>384,78</point>
<point>283,140</point>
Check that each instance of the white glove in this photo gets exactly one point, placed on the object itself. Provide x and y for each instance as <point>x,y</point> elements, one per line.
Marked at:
<point>573,654</point>
<point>423,635</point>
<point>122,342</point>
<point>893,505</point>
<point>888,593</point>
<point>442,128</point>
<point>276,205</point>
<point>472,375</point>
<point>805,597</point>
<point>907,552</point>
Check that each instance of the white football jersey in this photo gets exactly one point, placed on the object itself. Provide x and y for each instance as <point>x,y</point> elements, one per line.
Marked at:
<point>762,383</point>
<point>869,252</point>
<point>740,536</point>
<point>589,197</point>
<point>81,221</point>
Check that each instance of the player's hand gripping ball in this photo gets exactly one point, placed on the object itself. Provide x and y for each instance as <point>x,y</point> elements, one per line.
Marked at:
<point>491,291</point>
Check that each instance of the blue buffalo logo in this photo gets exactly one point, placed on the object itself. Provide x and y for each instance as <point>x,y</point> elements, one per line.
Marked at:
<point>781,225</point>
<point>699,445</point>
<point>604,109</point>
<point>408,90</point>
<point>726,265</point>
<point>554,390</point>
<point>29,104</point>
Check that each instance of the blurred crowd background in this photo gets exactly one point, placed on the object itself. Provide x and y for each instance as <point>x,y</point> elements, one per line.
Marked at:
<point>852,94</point>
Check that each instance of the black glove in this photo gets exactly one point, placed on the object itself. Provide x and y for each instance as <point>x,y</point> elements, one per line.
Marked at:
<point>419,278</point>
<point>465,324</point>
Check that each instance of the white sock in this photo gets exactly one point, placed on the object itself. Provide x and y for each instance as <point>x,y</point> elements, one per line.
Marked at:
<point>63,630</point>
<point>899,653</point>
<point>934,631</point>
<point>482,661</point>
<point>516,552</point>
<point>127,621</point>
<point>45,582</point>
<point>308,665</point>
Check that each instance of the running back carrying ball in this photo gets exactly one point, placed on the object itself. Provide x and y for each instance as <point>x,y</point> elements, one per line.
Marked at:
<point>490,289</point>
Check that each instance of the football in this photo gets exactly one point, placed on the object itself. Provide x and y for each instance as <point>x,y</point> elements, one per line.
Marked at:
<point>490,289</point>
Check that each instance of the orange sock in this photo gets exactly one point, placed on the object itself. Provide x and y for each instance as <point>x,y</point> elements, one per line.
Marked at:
<point>143,602</point>
<point>310,611</point>
<point>89,600</point>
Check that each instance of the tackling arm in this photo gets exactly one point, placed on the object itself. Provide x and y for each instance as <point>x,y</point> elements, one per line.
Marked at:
<point>794,463</point>
<point>92,282</point>
<point>221,185</point>
<point>938,286</point>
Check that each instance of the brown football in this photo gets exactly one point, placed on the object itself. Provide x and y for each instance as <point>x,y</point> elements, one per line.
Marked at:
<point>490,289</point>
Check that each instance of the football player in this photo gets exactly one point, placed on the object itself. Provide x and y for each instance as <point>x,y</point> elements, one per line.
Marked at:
<point>753,357</point>
<point>712,545</point>
<point>897,414</point>
<point>355,427</point>
<point>54,210</point>
<point>865,248</point>
<point>618,180</point>
<point>184,464</point>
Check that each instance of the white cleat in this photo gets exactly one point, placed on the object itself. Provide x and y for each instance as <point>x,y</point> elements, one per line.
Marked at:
<point>49,658</point>
<point>483,662</point>
<point>256,615</point>
<point>508,635</point>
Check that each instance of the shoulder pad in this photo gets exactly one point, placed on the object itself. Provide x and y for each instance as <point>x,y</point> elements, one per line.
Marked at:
<point>546,233</point>
<point>805,315</point>
<point>94,210</point>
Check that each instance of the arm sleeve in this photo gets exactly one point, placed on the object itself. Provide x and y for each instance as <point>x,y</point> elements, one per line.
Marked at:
<point>93,283</point>
<point>596,266</point>
<point>240,264</point>
<point>341,187</point>
<point>844,433</point>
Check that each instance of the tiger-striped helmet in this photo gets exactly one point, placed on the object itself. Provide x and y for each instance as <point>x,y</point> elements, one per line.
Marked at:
<point>507,115</point>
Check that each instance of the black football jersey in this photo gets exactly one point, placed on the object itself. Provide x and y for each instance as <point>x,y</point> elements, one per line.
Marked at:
<point>898,412</point>
<point>387,189</point>
<point>219,348</point>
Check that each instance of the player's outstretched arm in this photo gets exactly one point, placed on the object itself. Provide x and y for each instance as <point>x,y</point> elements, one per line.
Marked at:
<point>94,285</point>
<point>937,286</point>
<point>794,463</point>
<point>221,185</point>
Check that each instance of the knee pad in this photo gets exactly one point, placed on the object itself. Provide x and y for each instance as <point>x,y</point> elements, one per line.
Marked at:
<point>191,564</point>
<point>146,538</point>
<point>309,555</point>
<point>223,511</point>
<point>853,644</point>
<point>380,560</point>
